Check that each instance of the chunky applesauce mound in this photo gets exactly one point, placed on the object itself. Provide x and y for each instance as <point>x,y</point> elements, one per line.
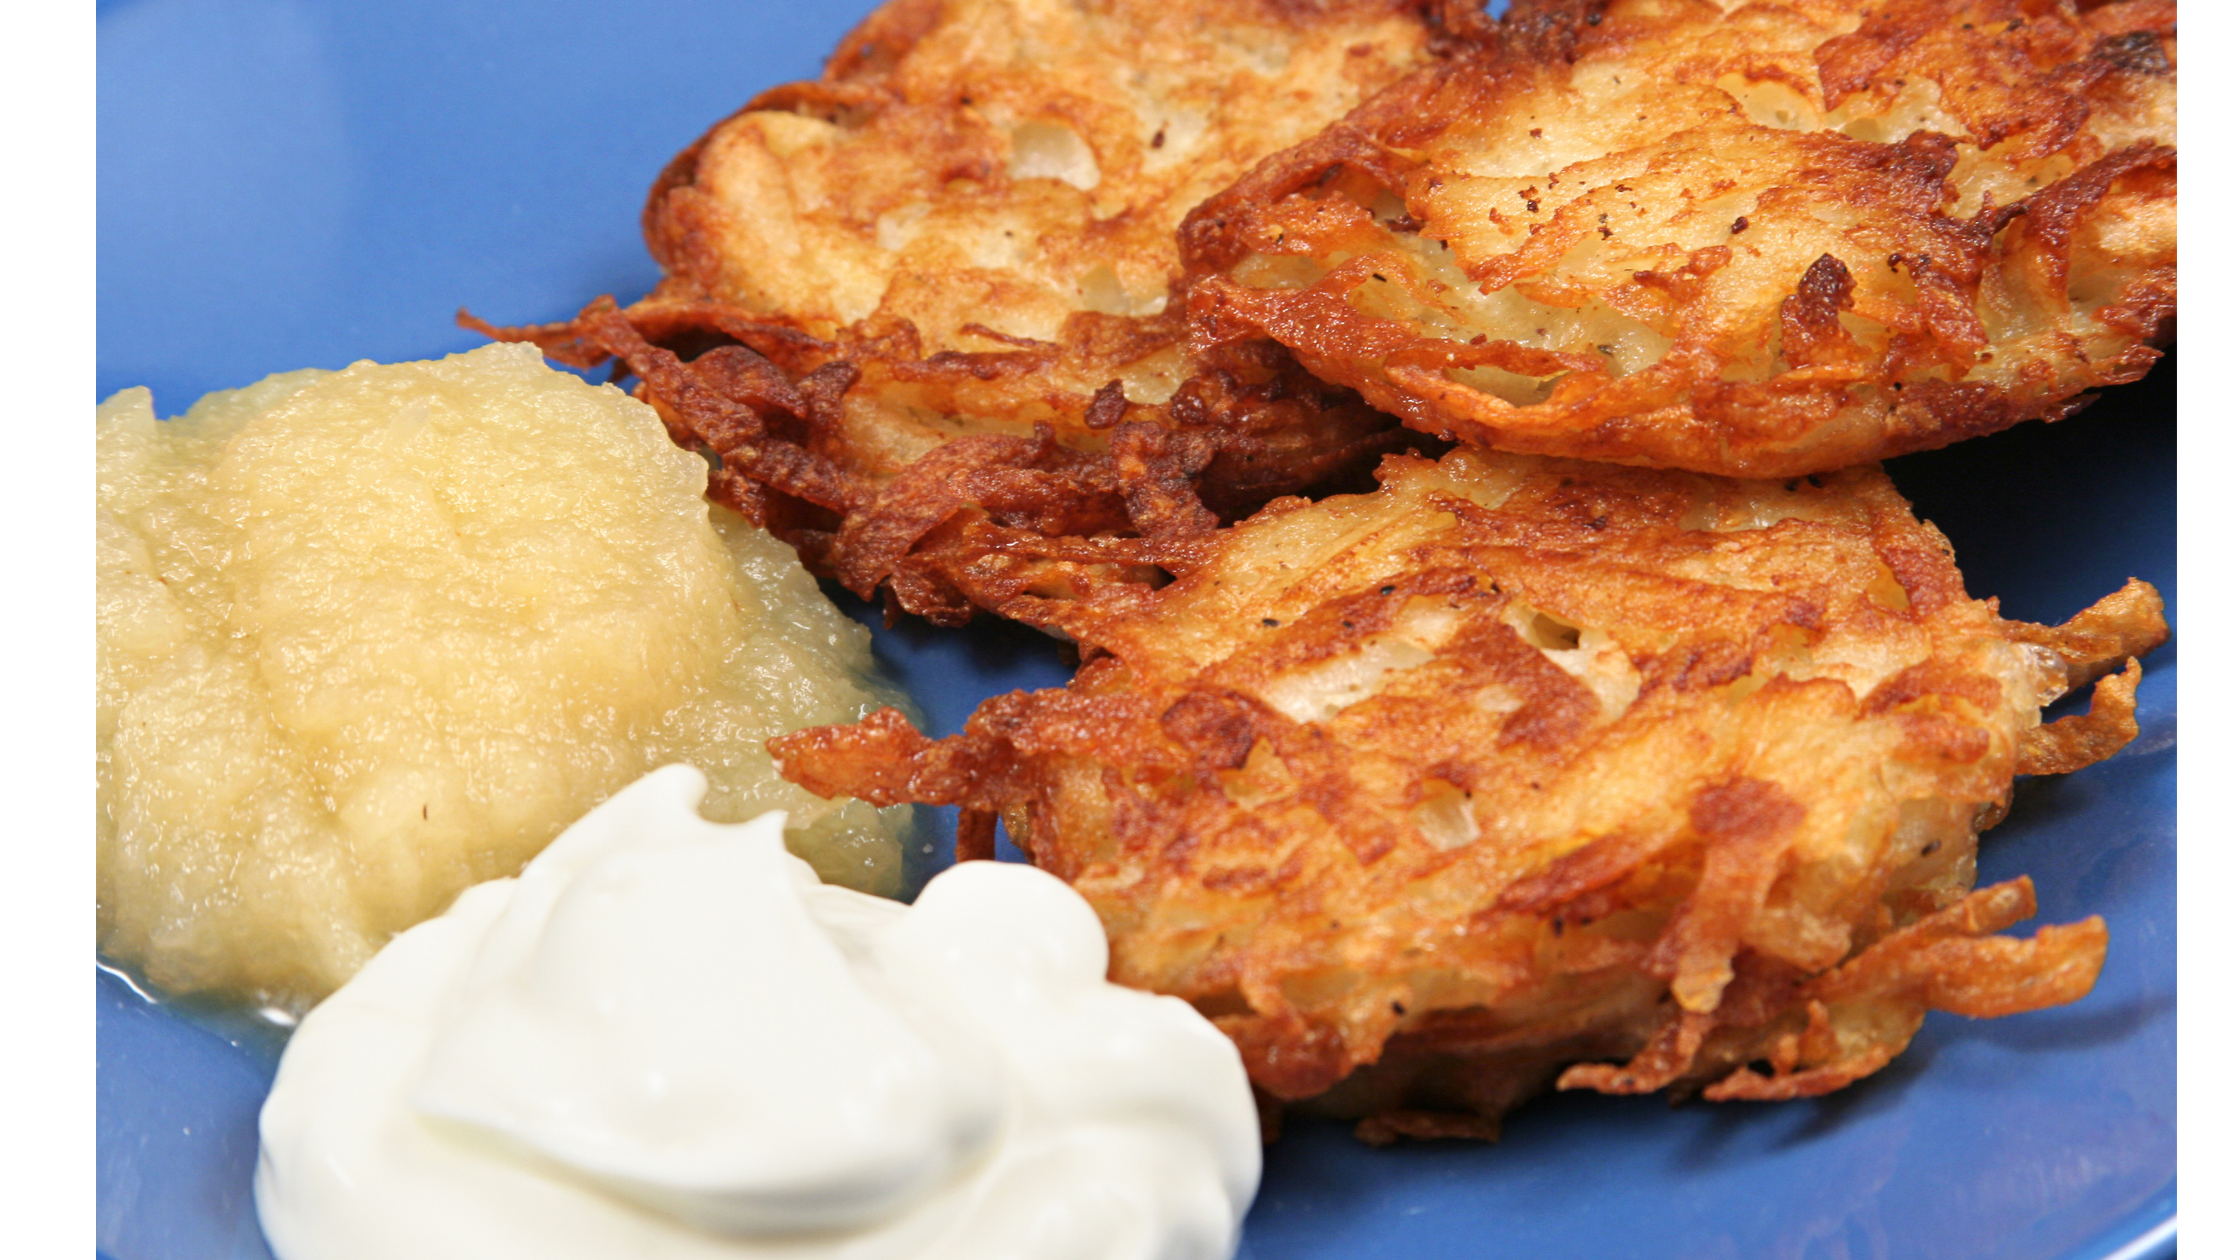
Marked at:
<point>368,637</point>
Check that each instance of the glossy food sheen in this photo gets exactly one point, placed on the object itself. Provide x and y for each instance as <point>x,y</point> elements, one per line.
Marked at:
<point>369,637</point>
<point>667,1040</point>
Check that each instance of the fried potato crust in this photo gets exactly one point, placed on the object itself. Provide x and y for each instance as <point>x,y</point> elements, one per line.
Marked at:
<point>979,519</point>
<point>1762,240</point>
<point>1524,770</point>
<point>961,239</point>
<point>978,167</point>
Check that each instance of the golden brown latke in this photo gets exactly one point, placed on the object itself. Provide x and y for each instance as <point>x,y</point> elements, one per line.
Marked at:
<point>1005,165</point>
<point>1523,766</point>
<point>967,224</point>
<point>1760,240</point>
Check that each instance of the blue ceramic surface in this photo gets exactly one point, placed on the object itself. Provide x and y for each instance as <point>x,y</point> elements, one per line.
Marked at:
<point>287,184</point>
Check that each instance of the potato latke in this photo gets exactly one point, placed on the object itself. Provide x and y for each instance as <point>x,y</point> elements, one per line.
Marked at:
<point>962,238</point>
<point>1522,767</point>
<point>1763,240</point>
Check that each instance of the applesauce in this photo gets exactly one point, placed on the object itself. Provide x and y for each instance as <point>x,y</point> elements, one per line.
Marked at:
<point>368,637</point>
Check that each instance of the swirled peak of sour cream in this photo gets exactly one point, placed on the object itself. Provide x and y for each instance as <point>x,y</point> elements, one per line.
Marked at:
<point>666,1038</point>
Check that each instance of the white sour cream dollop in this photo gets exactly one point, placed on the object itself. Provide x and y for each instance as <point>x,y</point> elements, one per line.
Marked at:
<point>667,1039</point>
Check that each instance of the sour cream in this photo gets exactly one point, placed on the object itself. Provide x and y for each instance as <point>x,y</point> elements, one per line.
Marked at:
<point>667,1039</point>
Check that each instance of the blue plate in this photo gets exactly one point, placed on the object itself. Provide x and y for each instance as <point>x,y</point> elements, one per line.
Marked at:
<point>287,184</point>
